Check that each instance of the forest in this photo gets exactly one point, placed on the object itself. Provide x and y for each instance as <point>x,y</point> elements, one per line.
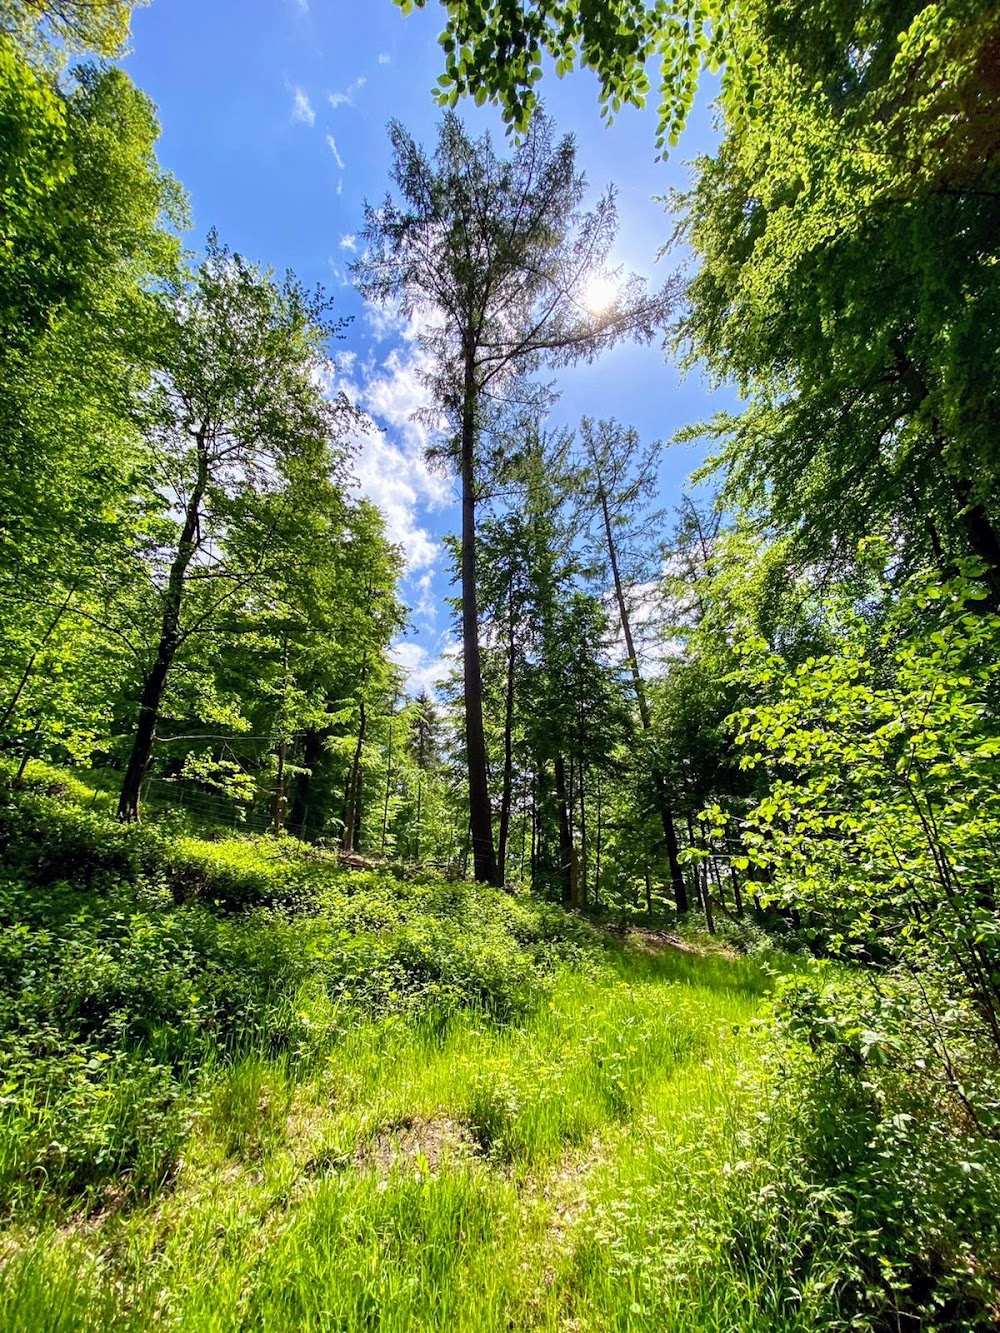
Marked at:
<point>644,974</point>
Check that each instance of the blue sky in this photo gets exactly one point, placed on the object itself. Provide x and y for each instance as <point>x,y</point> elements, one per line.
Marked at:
<point>273,116</point>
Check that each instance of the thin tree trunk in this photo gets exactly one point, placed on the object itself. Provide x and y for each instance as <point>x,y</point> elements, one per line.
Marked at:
<point>312,753</point>
<point>480,816</point>
<point>508,745</point>
<point>352,814</point>
<point>8,712</point>
<point>717,877</point>
<point>666,815</point>
<point>524,835</point>
<point>583,839</point>
<point>388,785</point>
<point>571,816</point>
<point>154,685</point>
<point>416,827</point>
<point>280,798</point>
<point>27,752</point>
<point>702,881</point>
<point>280,802</point>
<point>598,845</point>
<point>737,894</point>
<point>567,867</point>
<point>534,828</point>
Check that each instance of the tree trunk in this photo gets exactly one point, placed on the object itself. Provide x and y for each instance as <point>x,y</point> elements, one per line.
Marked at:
<point>702,881</point>
<point>524,836</point>
<point>666,815</point>
<point>567,861</point>
<point>480,816</point>
<point>737,894</point>
<point>352,814</point>
<point>508,745</point>
<point>8,712</point>
<point>583,838</point>
<point>983,540</point>
<point>534,828</point>
<point>312,753</point>
<point>388,786</point>
<point>280,800</point>
<point>416,825</point>
<point>280,807</point>
<point>155,683</point>
<point>598,847</point>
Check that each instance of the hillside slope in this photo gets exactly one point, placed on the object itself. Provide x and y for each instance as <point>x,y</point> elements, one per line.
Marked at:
<point>246,1089</point>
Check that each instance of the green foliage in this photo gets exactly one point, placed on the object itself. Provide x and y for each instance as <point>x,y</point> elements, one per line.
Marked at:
<point>846,240</point>
<point>881,817</point>
<point>887,1146</point>
<point>51,29</point>
<point>133,964</point>
<point>497,53</point>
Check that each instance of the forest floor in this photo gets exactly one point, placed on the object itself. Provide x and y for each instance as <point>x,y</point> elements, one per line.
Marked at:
<point>413,1128</point>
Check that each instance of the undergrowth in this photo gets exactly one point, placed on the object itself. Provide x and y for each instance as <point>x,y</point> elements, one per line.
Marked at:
<point>245,1089</point>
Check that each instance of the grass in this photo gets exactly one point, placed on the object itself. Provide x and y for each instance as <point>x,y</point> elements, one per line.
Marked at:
<point>288,1213</point>
<point>244,1089</point>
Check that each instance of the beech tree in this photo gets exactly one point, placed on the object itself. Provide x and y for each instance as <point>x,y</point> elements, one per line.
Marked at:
<point>54,29</point>
<point>85,214</point>
<point>497,253</point>
<point>238,427</point>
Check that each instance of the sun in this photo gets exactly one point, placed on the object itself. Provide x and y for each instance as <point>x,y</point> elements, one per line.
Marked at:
<point>599,293</point>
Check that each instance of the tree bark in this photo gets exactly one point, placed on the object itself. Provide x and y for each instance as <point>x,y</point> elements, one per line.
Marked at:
<point>666,814</point>
<point>583,838</point>
<point>701,880</point>
<point>416,824</point>
<point>598,849</point>
<point>312,754</point>
<point>983,540</point>
<point>388,785</point>
<point>352,812</point>
<point>508,745</point>
<point>567,859</point>
<point>484,860</point>
<point>280,806</point>
<point>155,682</point>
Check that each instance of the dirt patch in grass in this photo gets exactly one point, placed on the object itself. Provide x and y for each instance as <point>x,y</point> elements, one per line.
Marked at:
<point>646,940</point>
<point>422,1145</point>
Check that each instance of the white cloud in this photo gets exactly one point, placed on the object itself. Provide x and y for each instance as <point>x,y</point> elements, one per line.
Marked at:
<point>426,606</point>
<point>302,108</point>
<point>398,396</point>
<point>384,57</point>
<point>390,463</point>
<point>392,478</point>
<point>336,156</point>
<point>349,242</point>
<point>346,98</point>
<point>424,669</point>
<point>387,321</point>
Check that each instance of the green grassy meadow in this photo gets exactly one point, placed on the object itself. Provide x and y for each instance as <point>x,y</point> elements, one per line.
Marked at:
<point>246,1089</point>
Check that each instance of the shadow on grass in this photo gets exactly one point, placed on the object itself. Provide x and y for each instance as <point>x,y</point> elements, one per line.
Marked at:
<point>643,964</point>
